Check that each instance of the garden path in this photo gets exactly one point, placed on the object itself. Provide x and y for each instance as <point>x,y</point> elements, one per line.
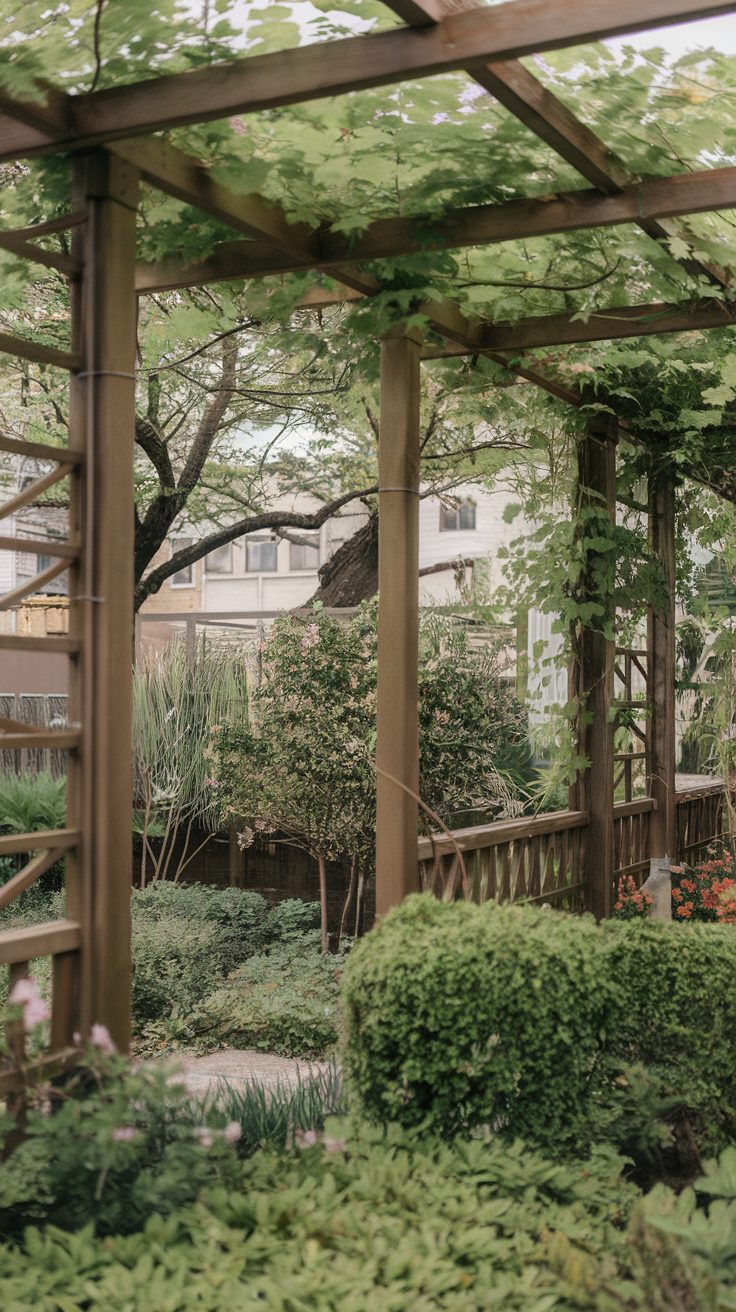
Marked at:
<point>240,1066</point>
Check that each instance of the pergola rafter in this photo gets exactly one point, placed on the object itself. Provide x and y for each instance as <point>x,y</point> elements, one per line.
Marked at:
<point>109,133</point>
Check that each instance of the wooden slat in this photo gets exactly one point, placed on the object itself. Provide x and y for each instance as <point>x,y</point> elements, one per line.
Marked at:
<point>41,547</point>
<point>27,350</point>
<point>479,36</point>
<point>59,740</point>
<point>502,831</point>
<point>27,250</point>
<point>64,999</point>
<point>34,490</point>
<point>32,871</point>
<point>19,945</point>
<point>60,224</point>
<point>52,645</point>
<point>639,806</point>
<point>10,599</point>
<point>41,451</point>
<point>58,838</point>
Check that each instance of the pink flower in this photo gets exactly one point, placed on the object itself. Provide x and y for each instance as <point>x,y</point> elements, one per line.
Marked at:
<point>35,1012</point>
<point>99,1037</point>
<point>25,994</point>
<point>124,1133</point>
<point>232,1132</point>
<point>305,1138</point>
<point>441,118</point>
<point>204,1136</point>
<point>25,990</point>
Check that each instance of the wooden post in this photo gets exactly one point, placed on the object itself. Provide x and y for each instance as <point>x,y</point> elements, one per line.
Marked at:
<point>591,684</point>
<point>661,666</point>
<point>103,406</point>
<point>397,744</point>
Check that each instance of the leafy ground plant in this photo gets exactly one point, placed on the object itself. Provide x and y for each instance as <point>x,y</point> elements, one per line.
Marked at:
<point>284,1001</point>
<point>116,1144</point>
<point>357,1220</point>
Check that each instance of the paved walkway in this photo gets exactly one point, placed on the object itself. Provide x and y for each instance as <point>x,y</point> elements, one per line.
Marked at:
<point>239,1066</point>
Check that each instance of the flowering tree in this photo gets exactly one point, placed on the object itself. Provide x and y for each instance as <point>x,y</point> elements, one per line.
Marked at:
<point>302,765</point>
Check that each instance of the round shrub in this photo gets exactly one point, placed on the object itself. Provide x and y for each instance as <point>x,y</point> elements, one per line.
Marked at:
<point>462,1015</point>
<point>676,1014</point>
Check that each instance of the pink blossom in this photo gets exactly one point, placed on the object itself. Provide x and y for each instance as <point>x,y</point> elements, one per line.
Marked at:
<point>25,990</point>
<point>25,994</point>
<point>305,1138</point>
<point>99,1037</point>
<point>232,1132</point>
<point>204,1136</point>
<point>35,1012</point>
<point>441,118</point>
<point>124,1133</point>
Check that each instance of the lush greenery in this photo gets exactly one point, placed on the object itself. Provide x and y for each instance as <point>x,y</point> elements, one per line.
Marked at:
<point>177,698</point>
<point>216,967</point>
<point>382,1221</point>
<point>373,1219</point>
<point>546,1025</point>
<point>116,1145</point>
<point>303,767</point>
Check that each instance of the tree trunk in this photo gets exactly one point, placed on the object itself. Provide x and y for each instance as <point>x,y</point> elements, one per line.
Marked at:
<point>351,575</point>
<point>322,864</point>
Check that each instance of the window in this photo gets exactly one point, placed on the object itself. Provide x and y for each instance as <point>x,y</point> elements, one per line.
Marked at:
<point>304,555</point>
<point>261,555</point>
<point>220,561</point>
<point>183,578</point>
<point>457,518</point>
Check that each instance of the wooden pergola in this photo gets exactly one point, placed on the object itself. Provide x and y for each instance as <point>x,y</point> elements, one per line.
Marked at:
<point>107,136</point>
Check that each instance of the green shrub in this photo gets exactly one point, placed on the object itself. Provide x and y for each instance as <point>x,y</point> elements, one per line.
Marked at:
<point>460,1015</point>
<point>187,938</point>
<point>549,1026</point>
<point>175,962</point>
<point>118,1144</point>
<point>676,1015</point>
<point>284,1001</point>
<point>380,1224</point>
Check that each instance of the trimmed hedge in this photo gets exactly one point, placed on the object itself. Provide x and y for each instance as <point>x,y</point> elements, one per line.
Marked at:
<point>676,1015</point>
<point>460,1015</point>
<point>522,1019</point>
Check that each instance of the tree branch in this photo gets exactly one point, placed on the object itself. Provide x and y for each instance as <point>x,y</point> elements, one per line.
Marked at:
<point>274,519</point>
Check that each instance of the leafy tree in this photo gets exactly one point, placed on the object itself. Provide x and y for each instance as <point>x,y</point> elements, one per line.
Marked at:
<point>302,766</point>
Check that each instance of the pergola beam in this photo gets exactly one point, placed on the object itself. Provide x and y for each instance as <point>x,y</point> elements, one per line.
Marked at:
<point>463,40</point>
<point>549,118</point>
<point>477,225</point>
<point>602,326</point>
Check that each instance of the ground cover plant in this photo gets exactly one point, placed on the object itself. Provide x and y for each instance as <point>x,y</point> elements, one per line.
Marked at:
<point>217,967</point>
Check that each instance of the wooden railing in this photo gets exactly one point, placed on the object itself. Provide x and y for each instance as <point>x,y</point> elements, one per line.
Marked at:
<point>631,842</point>
<point>540,859</point>
<point>701,817</point>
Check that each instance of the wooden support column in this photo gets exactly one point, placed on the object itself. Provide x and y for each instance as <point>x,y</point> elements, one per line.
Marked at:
<point>103,408</point>
<point>594,653</point>
<point>397,744</point>
<point>661,666</point>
